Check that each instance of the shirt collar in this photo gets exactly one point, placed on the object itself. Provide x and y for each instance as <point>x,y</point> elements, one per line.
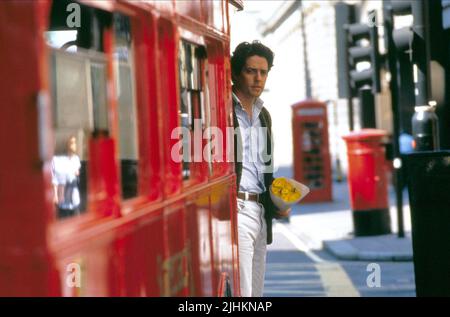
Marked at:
<point>258,103</point>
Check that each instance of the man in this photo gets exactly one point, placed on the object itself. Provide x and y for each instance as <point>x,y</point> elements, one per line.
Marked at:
<point>250,66</point>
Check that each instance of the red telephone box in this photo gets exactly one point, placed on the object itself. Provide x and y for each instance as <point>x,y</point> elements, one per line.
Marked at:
<point>312,164</point>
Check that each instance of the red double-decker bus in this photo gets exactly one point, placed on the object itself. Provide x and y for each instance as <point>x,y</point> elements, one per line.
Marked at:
<point>117,77</point>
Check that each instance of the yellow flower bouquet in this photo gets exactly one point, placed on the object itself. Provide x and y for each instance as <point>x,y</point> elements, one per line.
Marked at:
<point>286,192</point>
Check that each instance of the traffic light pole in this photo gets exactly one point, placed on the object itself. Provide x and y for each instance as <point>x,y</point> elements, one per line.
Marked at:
<point>389,27</point>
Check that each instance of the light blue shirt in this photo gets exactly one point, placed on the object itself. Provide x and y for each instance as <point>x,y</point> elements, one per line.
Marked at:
<point>253,141</point>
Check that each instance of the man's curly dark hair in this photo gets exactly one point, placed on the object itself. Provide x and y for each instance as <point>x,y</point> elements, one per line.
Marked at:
<point>245,50</point>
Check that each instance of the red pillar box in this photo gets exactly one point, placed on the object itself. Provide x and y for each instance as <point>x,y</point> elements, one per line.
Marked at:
<point>367,181</point>
<point>312,163</point>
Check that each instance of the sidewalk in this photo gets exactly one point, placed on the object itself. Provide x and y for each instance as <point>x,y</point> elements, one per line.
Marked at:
<point>329,226</point>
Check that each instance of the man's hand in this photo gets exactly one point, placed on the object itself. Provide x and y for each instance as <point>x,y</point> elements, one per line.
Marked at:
<point>284,213</point>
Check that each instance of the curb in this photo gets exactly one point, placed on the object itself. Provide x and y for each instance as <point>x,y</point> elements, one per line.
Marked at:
<point>343,250</point>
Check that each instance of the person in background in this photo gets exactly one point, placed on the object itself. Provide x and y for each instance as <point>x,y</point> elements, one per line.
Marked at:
<point>406,142</point>
<point>65,173</point>
<point>406,145</point>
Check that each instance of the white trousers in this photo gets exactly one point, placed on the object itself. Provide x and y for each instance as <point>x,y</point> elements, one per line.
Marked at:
<point>252,233</point>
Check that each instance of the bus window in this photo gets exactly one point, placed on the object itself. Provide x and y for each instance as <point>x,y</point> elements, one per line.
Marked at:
<point>79,99</point>
<point>207,110</point>
<point>192,99</point>
<point>99,100</point>
<point>127,111</point>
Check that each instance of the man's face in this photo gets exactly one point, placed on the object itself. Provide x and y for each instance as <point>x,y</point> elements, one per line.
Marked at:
<point>252,79</point>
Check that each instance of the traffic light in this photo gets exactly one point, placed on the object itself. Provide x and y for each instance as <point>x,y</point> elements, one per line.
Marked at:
<point>357,42</point>
<point>362,46</point>
<point>419,41</point>
<point>344,14</point>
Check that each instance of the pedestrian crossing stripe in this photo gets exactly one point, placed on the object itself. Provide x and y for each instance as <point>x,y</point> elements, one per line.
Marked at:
<point>335,280</point>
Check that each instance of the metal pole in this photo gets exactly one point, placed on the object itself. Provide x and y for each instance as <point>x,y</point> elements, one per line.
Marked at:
<point>406,92</point>
<point>389,27</point>
<point>367,107</point>
<point>338,160</point>
<point>349,87</point>
<point>422,47</point>
<point>305,54</point>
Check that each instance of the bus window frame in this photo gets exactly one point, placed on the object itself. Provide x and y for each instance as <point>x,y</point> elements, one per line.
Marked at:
<point>147,134</point>
<point>217,96</point>
<point>199,171</point>
<point>62,229</point>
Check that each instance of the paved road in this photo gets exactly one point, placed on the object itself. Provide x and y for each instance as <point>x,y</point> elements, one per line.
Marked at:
<point>297,264</point>
<point>295,270</point>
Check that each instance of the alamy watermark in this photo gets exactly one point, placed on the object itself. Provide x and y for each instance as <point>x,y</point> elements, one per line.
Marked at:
<point>374,278</point>
<point>219,145</point>
<point>73,278</point>
<point>372,20</point>
<point>73,20</point>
